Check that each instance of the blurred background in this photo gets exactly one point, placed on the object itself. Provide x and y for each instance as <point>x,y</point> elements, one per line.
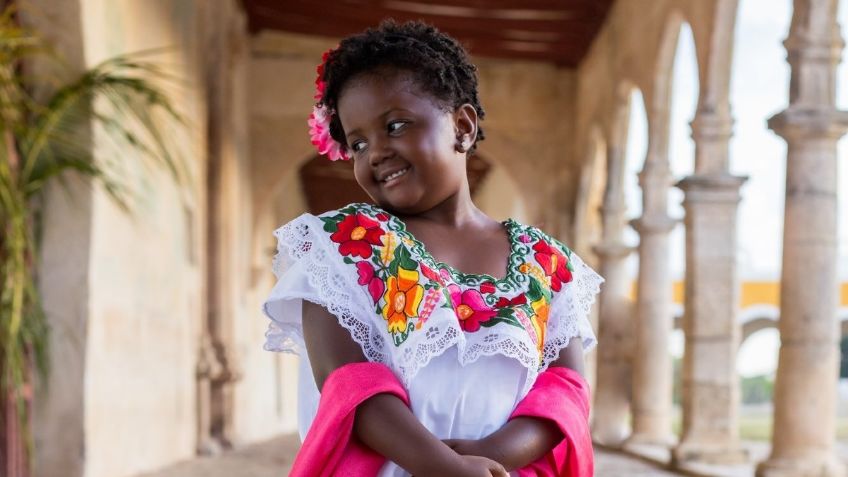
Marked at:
<point>152,147</point>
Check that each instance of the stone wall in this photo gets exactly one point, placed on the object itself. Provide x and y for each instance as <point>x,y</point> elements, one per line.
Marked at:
<point>128,296</point>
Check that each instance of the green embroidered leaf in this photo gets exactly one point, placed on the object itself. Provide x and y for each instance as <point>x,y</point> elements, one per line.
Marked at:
<point>330,225</point>
<point>393,267</point>
<point>399,338</point>
<point>405,259</point>
<point>505,312</point>
<point>534,292</point>
<point>348,260</point>
<point>496,320</point>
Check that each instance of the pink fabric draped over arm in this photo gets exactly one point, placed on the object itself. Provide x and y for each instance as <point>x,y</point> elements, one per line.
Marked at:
<point>561,395</point>
<point>330,445</point>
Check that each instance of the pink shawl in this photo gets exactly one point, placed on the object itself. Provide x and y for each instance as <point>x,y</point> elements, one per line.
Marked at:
<point>559,395</point>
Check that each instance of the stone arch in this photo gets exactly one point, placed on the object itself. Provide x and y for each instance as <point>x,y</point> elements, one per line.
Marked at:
<point>593,173</point>
<point>757,317</point>
<point>634,156</point>
<point>616,132</point>
<point>714,50</point>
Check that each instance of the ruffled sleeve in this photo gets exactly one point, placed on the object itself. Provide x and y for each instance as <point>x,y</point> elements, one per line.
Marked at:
<point>309,267</point>
<point>570,308</point>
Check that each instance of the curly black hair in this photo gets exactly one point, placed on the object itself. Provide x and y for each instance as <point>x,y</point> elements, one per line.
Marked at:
<point>435,61</point>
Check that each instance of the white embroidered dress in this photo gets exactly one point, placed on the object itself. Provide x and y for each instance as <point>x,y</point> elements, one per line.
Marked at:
<point>466,347</point>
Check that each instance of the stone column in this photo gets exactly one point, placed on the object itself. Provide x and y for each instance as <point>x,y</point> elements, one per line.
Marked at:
<point>709,378</point>
<point>612,396</point>
<point>808,364</point>
<point>652,370</point>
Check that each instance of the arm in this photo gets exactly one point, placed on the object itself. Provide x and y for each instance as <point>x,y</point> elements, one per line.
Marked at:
<point>383,422</point>
<point>523,440</point>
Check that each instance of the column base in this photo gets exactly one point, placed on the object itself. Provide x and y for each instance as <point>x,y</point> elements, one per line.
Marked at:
<point>609,435</point>
<point>650,440</point>
<point>711,453</point>
<point>827,465</point>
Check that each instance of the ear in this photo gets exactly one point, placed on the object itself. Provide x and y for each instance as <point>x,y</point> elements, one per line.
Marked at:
<point>465,127</point>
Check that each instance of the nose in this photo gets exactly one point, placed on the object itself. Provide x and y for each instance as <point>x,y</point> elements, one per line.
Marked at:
<point>378,151</point>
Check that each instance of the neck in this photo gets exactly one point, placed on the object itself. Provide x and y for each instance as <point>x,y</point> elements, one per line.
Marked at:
<point>456,211</point>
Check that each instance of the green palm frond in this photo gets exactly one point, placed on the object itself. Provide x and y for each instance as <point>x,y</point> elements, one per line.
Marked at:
<point>41,141</point>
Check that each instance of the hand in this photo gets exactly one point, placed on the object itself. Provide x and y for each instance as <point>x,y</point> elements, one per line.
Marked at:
<point>476,466</point>
<point>485,447</point>
<point>466,446</point>
<point>457,465</point>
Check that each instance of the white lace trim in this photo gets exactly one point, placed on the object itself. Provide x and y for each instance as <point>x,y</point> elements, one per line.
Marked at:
<point>297,241</point>
<point>570,312</point>
<point>335,283</point>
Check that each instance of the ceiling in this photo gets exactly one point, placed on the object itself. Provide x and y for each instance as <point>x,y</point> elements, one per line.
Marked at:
<point>557,31</point>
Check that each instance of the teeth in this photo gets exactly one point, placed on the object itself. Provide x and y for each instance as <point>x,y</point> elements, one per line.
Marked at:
<point>396,174</point>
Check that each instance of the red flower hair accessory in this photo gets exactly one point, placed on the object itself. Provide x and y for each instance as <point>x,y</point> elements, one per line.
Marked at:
<point>319,120</point>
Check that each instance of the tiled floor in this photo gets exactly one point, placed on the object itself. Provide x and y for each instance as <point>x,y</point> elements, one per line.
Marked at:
<point>273,458</point>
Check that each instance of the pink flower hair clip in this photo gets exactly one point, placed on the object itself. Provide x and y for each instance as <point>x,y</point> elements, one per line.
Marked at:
<point>319,120</point>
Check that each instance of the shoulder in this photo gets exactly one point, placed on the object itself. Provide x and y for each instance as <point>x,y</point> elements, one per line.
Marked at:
<point>357,229</point>
<point>343,220</point>
<point>551,255</point>
<point>356,212</point>
<point>540,241</point>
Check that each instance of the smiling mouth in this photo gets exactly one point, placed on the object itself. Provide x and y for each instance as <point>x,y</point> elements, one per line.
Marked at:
<point>395,175</point>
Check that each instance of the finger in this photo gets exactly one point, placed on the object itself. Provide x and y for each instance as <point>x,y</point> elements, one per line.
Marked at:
<point>498,470</point>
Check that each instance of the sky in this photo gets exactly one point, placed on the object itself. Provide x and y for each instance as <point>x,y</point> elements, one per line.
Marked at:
<point>759,89</point>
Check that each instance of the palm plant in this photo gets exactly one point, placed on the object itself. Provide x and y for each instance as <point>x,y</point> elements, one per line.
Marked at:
<point>41,141</point>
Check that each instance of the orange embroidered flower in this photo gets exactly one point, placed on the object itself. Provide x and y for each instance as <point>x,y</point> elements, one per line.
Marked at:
<point>403,296</point>
<point>541,309</point>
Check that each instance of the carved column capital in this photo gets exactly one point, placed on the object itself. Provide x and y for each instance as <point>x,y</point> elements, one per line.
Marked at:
<point>612,250</point>
<point>795,124</point>
<point>711,188</point>
<point>654,224</point>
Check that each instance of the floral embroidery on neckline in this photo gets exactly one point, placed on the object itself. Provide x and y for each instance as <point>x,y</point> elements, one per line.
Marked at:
<point>470,279</point>
<point>407,284</point>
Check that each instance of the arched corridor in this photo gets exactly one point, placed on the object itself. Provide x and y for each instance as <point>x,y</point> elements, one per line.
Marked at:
<point>690,151</point>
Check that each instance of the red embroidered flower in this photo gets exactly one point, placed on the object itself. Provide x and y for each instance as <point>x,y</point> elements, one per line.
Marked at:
<point>382,217</point>
<point>487,287</point>
<point>524,238</point>
<point>504,302</point>
<point>470,308</point>
<point>357,234</point>
<point>554,263</point>
<point>431,274</point>
<point>368,277</point>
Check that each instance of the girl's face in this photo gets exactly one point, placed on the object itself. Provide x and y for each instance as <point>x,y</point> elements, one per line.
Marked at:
<point>406,150</point>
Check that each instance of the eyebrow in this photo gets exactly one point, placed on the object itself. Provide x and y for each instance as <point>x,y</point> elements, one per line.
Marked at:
<point>383,115</point>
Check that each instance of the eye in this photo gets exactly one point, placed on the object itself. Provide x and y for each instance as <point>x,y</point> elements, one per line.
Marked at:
<point>395,126</point>
<point>357,146</point>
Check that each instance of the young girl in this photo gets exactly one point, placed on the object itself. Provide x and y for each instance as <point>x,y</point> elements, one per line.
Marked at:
<point>438,341</point>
